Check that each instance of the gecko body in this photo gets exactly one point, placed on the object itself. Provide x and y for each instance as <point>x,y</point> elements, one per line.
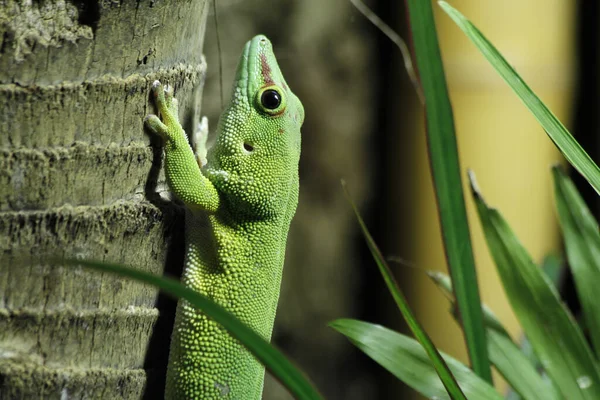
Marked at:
<point>239,208</point>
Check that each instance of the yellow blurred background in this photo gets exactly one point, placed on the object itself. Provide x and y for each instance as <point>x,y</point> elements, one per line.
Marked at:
<point>500,141</point>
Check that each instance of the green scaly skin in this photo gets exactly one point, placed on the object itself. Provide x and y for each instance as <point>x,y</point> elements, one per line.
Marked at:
<point>239,208</point>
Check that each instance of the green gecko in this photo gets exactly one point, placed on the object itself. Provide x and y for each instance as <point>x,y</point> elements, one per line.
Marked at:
<point>240,197</point>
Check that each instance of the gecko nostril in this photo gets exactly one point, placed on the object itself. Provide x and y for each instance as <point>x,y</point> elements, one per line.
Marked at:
<point>248,147</point>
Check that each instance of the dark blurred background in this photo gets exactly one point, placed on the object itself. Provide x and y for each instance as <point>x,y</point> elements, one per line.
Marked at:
<point>364,124</point>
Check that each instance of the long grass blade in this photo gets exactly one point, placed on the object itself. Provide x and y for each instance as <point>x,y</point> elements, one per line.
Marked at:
<point>437,361</point>
<point>279,366</point>
<point>517,370</point>
<point>552,267</point>
<point>504,354</point>
<point>561,137</point>
<point>582,240</point>
<point>552,332</point>
<point>407,360</point>
<point>446,173</point>
<point>444,283</point>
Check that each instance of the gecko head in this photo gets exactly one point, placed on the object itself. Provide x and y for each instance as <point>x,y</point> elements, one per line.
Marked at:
<point>254,161</point>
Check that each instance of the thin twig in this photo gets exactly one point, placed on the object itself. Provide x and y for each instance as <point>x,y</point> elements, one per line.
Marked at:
<point>219,51</point>
<point>397,40</point>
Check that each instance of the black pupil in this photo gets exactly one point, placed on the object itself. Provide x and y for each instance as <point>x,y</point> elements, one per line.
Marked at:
<point>270,99</point>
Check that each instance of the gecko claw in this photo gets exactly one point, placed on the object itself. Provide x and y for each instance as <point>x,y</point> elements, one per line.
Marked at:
<point>158,94</point>
<point>166,105</point>
<point>169,99</point>
<point>163,96</point>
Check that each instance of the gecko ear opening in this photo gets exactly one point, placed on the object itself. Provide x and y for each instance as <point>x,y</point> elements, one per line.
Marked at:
<point>248,147</point>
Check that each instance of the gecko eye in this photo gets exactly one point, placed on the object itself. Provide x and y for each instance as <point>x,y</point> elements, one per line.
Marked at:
<point>270,99</point>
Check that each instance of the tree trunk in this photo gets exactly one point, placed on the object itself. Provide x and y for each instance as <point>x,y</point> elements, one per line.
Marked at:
<point>78,178</point>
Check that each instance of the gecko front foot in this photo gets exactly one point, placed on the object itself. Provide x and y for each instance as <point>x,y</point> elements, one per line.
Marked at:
<point>166,123</point>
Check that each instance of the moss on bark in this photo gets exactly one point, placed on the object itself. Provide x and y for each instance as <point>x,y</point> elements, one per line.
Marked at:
<point>79,177</point>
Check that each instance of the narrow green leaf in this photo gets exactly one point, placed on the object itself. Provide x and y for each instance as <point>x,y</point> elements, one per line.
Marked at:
<point>554,335</point>
<point>552,266</point>
<point>504,354</point>
<point>444,283</point>
<point>582,240</point>
<point>561,137</point>
<point>517,370</point>
<point>439,364</point>
<point>407,360</point>
<point>446,173</point>
<point>279,366</point>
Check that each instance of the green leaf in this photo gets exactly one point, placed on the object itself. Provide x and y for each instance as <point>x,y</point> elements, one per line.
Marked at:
<point>439,364</point>
<point>279,366</point>
<point>554,335</point>
<point>561,137</point>
<point>504,354</point>
<point>582,240</point>
<point>552,266</point>
<point>517,370</point>
<point>407,360</point>
<point>446,173</point>
<point>444,283</point>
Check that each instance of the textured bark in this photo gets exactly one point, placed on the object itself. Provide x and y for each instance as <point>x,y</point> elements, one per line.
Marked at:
<point>78,178</point>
